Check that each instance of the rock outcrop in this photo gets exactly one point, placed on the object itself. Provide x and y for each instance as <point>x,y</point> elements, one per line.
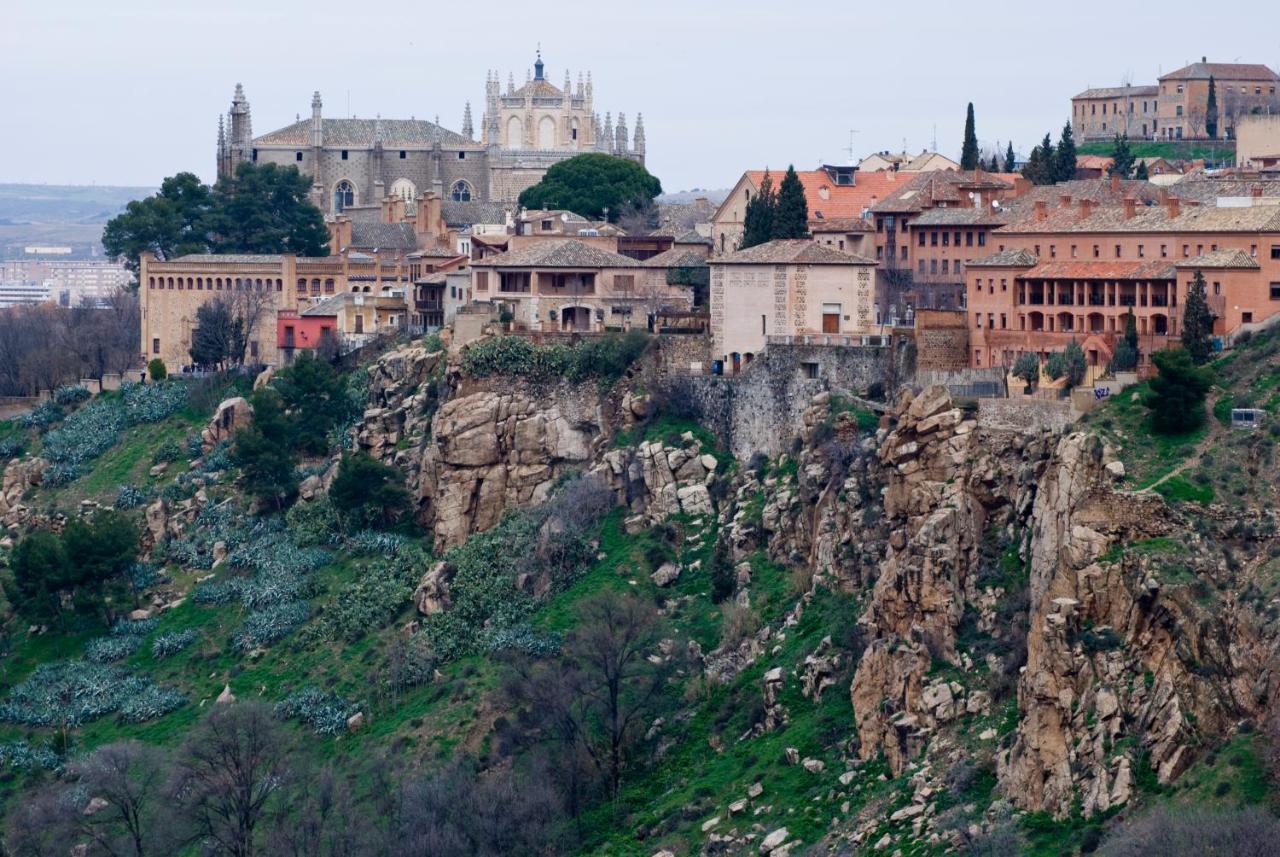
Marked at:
<point>232,415</point>
<point>20,476</point>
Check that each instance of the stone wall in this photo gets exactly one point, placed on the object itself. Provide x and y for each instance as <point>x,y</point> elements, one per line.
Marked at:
<point>1025,415</point>
<point>683,354</point>
<point>942,339</point>
<point>762,409</point>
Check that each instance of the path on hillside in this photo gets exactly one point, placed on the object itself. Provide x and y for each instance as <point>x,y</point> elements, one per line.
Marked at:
<point>1215,432</point>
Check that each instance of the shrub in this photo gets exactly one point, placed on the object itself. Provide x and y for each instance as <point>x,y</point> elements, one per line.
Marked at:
<point>133,627</point>
<point>156,369</point>
<point>1190,831</point>
<point>315,523</point>
<point>369,492</point>
<point>105,650</point>
<point>10,447</point>
<point>43,415</point>
<point>370,600</point>
<point>374,542</point>
<point>1177,393</point>
<point>21,756</point>
<point>72,693</point>
<point>130,497</point>
<point>172,642</point>
<point>325,713</point>
<point>269,625</point>
<point>71,394</point>
<point>1027,367</point>
<point>166,452</point>
<point>606,357</point>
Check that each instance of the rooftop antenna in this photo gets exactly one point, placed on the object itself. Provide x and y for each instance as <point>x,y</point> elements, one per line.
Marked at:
<point>933,146</point>
<point>852,131</point>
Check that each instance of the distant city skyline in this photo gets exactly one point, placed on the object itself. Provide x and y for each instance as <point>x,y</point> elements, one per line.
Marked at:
<point>101,95</point>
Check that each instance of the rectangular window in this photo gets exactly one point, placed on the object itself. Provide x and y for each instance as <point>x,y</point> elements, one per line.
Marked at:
<point>1246,318</point>
<point>764,325</point>
<point>155,346</point>
<point>1096,251</point>
<point>920,238</point>
<point>1117,251</point>
<point>957,238</point>
<point>945,266</point>
<point>462,156</point>
<point>482,281</point>
<point>933,239</point>
<point>879,224</point>
<point>1141,252</point>
<point>1053,251</point>
<point>1217,287</point>
<point>1073,251</point>
<point>1164,251</point>
<point>977,319</point>
<point>1275,291</point>
<point>1275,251</point>
<point>879,250</point>
<point>344,154</point>
<point>968,239</point>
<point>297,156</point>
<point>933,266</point>
<point>921,266</point>
<point>402,154</point>
<point>810,370</point>
<point>1003,320</point>
<point>982,239</point>
<point>1004,285</point>
<point>946,239</point>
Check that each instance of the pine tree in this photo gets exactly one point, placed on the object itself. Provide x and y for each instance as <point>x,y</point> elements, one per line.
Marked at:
<point>1042,165</point>
<point>1033,169</point>
<point>1197,322</point>
<point>1125,358</point>
<point>1122,158</point>
<point>1211,111</point>
<point>1065,159</point>
<point>969,149</point>
<point>1141,173</point>
<point>791,215</point>
<point>757,221</point>
<point>1010,161</point>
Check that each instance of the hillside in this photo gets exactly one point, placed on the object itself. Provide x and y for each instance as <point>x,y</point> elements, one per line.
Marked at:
<point>522,601</point>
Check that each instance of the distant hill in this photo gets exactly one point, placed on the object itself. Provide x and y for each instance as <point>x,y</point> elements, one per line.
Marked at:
<point>43,203</point>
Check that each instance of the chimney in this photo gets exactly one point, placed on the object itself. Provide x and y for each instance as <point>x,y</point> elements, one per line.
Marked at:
<point>1115,182</point>
<point>1130,207</point>
<point>1065,200</point>
<point>1086,208</point>
<point>1042,209</point>
<point>1175,207</point>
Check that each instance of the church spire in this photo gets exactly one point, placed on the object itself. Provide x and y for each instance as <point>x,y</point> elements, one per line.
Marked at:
<point>639,141</point>
<point>621,147</point>
<point>467,130</point>
<point>537,66</point>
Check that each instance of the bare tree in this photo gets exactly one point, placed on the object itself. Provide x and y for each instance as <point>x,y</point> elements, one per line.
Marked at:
<point>323,822</point>
<point>38,824</point>
<point>228,773</point>
<point>122,785</point>
<point>45,345</point>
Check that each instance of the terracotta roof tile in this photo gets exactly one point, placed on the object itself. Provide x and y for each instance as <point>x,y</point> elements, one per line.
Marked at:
<point>830,200</point>
<point>359,133</point>
<point>1004,259</point>
<point>1222,71</point>
<point>795,251</point>
<point>1224,258</point>
<point>1114,270</point>
<point>553,253</point>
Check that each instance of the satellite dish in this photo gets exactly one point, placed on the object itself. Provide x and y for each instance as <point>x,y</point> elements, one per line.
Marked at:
<point>972,195</point>
<point>995,203</point>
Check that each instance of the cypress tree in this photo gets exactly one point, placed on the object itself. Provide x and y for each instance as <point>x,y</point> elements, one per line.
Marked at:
<point>1197,322</point>
<point>1211,111</point>
<point>791,214</point>
<point>1122,158</point>
<point>1065,159</point>
<point>969,150</point>
<point>995,164</point>
<point>757,222</point>
<point>1141,172</point>
<point>1010,161</point>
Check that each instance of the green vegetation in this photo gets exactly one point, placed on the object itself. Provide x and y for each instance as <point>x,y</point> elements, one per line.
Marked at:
<point>969,147</point>
<point>1213,152</point>
<point>1126,423</point>
<point>605,358</point>
<point>594,185</point>
<point>1177,393</point>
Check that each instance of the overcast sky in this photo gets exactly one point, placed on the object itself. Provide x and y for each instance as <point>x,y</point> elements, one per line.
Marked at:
<point>128,92</point>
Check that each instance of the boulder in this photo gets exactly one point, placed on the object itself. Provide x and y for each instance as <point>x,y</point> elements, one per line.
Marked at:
<point>95,806</point>
<point>666,574</point>
<point>773,840</point>
<point>432,593</point>
<point>355,721</point>
<point>226,697</point>
<point>232,415</point>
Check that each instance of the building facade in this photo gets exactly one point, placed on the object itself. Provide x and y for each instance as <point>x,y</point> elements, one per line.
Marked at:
<point>355,162</point>
<point>787,289</point>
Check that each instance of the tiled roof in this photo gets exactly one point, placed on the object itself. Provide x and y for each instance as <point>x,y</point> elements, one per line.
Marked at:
<point>384,236</point>
<point>328,306</point>
<point>793,251</point>
<point>841,200</point>
<point>1151,218</point>
<point>229,258</point>
<point>1222,71</point>
<point>676,257</point>
<point>1119,92</point>
<point>1117,270</point>
<point>928,190</point>
<point>1004,259</point>
<point>959,217</point>
<point>1098,191</point>
<point>693,237</point>
<point>1094,162</point>
<point>538,88</point>
<point>359,133</point>
<point>1220,259</point>
<point>838,224</point>
<point>1205,188</point>
<point>552,213</point>
<point>436,253</point>
<point>457,213</point>
<point>559,253</point>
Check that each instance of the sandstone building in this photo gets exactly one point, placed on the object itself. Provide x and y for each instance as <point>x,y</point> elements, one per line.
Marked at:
<point>353,162</point>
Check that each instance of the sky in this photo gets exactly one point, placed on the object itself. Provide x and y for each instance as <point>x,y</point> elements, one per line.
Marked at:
<point>128,92</point>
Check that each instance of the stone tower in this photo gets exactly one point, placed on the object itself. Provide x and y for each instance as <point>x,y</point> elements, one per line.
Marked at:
<point>239,145</point>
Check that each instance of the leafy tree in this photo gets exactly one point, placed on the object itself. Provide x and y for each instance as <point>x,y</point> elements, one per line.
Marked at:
<point>370,492</point>
<point>156,369</point>
<point>1075,366</point>
<point>39,564</point>
<point>1010,160</point>
<point>1126,354</point>
<point>1197,322</point>
<point>1056,366</point>
<point>1027,367</point>
<point>1121,157</point>
<point>1141,173</point>
<point>969,148</point>
<point>265,208</point>
<point>82,566</point>
<point>757,221</point>
<point>592,185</point>
<point>1211,111</point>
<point>313,393</point>
<point>1064,169</point>
<point>171,223</point>
<point>264,451</point>
<point>218,334</point>
<point>791,217</point>
<point>1177,394</point>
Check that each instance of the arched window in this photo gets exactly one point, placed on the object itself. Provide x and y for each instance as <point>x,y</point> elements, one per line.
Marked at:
<point>302,286</point>
<point>404,189</point>
<point>328,286</point>
<point>315,286</point>
<point>515,133</point>
<point>199,284</point>
<point>546,133</point>
<point>461,192</point>
<point>344,194</point>
<point>151,282</point>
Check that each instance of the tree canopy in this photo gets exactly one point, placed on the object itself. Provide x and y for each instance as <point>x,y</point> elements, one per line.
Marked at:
<point>261,209</point>
<point>791,217</point>
<point>757,221</point>
<point>969,148</point>
<point>1197,322</point>
<point>1211,111</point>
<point>1042,164</point>
<point>1010,160</point>
<point>1064,159</point>
<point>594,185</point>
<point>1177,394</point>
<point>1121,157</point>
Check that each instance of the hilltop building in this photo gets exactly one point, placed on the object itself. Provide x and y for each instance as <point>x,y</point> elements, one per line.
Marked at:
<point>357,162</point>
